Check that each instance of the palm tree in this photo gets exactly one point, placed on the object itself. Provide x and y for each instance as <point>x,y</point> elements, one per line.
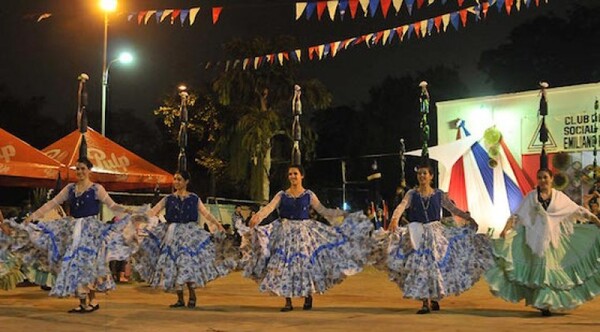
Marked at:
<point>260,98</point>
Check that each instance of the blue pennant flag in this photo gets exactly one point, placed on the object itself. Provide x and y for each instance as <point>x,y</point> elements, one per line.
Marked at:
<point>373,7</point>
<point>430,25</point>
<point>310,9</point>
<point>342,7</point>
<point>410,31</point>
<point>409,5</point>
<point>455,20</point>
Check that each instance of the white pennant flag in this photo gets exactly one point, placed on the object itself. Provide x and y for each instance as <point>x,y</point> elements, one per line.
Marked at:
<point>256,62</point>
<point>404,31</point>
<point>518,4</point>
<point>320,51</point>
<point>424,25</point>
<point>245,63</point>
<point>227,65</point>
<point>280,58</point>
<point>397,4</point>
<point>365,6</point>
<point>331,7</point>
<point>300,7</point>
<point>386,35</point>
<point>166,14</point>
<point>148,15</point>
<point>445,21</point>
<point>236,63</point>
<point>193,12</point>
<point>298,54</point>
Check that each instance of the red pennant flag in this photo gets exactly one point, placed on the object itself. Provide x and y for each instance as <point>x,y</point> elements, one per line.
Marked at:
<point>508,5</point>
<point>385,7</point>
<point>399,33</point>
<point>310,52</point>
<point>420,3</point>
<point>272,58</point>
<point>175,14</point>
<point>353,7</point>
<point>378,37</point>
<point>437,21</point>
<point>216,13</point>
<point>286,56</point>
<point>484,8</point>
<point>417,28</point>
<point>537,3</point>
<point>460,2</point>
<point>463,17</point>
<point>332,49</point>
<point>358,40</point>
<point>141,16</point>
<point>321,5</point>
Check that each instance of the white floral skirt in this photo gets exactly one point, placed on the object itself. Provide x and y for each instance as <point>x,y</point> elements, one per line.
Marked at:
<point>77,252</point>
<point>449,260</point>
<point>294,258</point>
<point>175,254</point>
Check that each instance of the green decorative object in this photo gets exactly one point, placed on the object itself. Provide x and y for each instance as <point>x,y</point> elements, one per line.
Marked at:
<point>492,136</point>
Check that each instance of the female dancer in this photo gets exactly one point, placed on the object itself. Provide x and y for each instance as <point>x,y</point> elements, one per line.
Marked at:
<point>543,257</point>
<point>180,252</point>
<point>296,256</point>
<point>79,247</point>
<point>431,260</point>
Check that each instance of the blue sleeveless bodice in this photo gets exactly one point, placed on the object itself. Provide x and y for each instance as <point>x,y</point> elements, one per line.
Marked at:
<point>295,208</point>
<point>182,211</point>
<point>425,210</point>
<point>86,204</point>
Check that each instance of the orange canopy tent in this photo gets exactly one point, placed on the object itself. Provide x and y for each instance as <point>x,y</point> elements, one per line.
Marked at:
<point>22,165</point>
<point>115,167</point>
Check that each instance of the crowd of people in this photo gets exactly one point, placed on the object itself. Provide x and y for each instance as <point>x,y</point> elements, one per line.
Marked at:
<point>294,247</point>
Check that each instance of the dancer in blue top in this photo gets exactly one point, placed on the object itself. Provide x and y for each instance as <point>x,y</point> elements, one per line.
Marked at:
<point>430,260</point>
<point>179,252</point>
<point>296,256</point>
<point>79,247</point>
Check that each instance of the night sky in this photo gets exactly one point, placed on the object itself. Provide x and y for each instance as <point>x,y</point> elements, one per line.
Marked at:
<point>44,59</point>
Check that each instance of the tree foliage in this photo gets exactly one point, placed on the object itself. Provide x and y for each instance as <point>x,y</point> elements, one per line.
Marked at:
<point>558,50</point>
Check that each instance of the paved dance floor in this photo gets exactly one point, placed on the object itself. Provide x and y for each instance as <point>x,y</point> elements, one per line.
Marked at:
<point>365,302</point>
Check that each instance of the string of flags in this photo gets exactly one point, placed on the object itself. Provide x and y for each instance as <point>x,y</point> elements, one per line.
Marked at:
<point>341,8</point>
<point>368,7</point>
<point>417,29</point>
<point>182,16</point>
<point>175,15</point>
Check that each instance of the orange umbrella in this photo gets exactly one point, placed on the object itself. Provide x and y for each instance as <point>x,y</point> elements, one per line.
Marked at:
<point>115,167</point>
<point>22,165</point>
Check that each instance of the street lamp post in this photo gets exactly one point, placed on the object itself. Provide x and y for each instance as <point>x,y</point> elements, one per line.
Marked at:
<point>123,58</point>
<point>107,6</point>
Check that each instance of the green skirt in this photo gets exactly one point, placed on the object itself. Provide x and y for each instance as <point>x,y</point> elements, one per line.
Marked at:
<point>10,271</point>
<point>563,279</point>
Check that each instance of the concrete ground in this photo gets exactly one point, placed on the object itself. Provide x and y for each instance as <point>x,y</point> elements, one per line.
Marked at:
<point>365,302</point>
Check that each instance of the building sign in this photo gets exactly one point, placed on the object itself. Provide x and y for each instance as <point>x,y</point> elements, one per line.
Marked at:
<point>567,132</point>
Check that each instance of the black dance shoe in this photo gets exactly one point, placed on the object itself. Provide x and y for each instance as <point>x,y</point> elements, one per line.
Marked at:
<point>177,304</point>
<point>307,303</point>
<point>424,310</point>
